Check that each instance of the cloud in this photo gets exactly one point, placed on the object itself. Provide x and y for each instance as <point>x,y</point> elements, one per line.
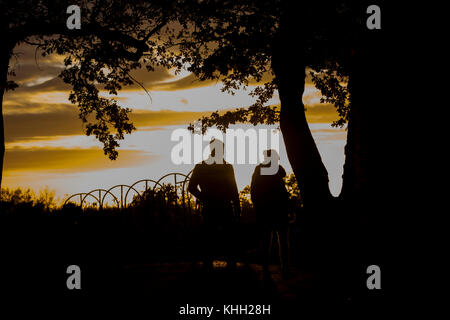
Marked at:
<point>39,107</point>
<point>165,117</point>
<point>50,85</point>
<point>149,79</point>
<point>37,74</point>
<point>62,119</point>
<point>29,65</point>
<point>188,82</point>
<point>69,160</point>
<point>33,79</point>
<point>321,113</point>
<point>26,74</point>
<point>30,54</point>
<point>36,120</point>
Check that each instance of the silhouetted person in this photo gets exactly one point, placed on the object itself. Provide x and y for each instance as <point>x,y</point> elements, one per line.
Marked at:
<point>214,184</point>
<point>271,202</point>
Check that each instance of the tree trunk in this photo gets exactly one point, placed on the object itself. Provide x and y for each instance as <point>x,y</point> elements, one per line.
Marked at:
<point>349,229</point>
<point>353,176</point>
<point>5,56</point>
<point>302,151</point>
<point>289,66</point>
<point>368,179</point>
<point>367,149</point>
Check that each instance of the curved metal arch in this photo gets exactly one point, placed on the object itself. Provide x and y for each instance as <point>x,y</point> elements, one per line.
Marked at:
<point>180,182</point>
<point>146,183</point>
<point>185,194</point>
<point>123,201</point>
<point>146,186</point>
<point>74,195</point>
<point>187,178</point>
<point>175,177</point>
<point>91,195</point>
<point>99,199</point>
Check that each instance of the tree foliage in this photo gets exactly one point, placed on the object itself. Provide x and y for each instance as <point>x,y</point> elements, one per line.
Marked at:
<point>229,41</point>
<point>115,38</point>
<point>233,42</point>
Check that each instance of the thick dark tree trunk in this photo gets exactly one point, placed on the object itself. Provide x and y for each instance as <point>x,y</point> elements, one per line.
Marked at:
<point>289,69</point>
<point>367,149</point>
<point>302,151</point>
<point>345,232</point>
<point>367,180</point>
<point>5,55</point>
<point>315,223</point>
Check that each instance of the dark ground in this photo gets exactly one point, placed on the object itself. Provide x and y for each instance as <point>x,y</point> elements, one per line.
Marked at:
<point>157,271</point>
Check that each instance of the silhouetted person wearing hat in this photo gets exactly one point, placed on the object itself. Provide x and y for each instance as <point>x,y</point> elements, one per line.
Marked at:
<point>271,202</point>
<point>214,184</point>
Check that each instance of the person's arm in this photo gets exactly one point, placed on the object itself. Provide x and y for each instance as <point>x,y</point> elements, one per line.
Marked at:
<point>282,172</point>
<point>194,183</point>
<point>235,194</point>
<point>253,193</point>
<point>285,196</point>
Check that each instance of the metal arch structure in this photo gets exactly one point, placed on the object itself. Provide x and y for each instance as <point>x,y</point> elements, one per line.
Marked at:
<point>175,174</point>
<point>155,183</point>
<point>187,209</point>
<point>100,200</point>
<point>122,200</point>
<point>81,195</point>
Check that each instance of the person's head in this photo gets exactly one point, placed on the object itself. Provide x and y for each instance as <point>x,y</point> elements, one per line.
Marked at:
<point>217,148</point>
<point>271,156</point>
<point>271,162</point>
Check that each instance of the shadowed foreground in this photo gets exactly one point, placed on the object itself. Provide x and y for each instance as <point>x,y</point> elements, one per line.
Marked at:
<point>133,263</point>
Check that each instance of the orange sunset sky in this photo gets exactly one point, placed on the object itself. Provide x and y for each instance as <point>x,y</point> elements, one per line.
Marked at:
<point>46,147</point>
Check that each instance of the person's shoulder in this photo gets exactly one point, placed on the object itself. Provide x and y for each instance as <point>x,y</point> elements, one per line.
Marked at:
<point>259,166</point>
<point>227,165</point>
<point>202,163</point>
<point>199,166</point>
<point>257,170</point>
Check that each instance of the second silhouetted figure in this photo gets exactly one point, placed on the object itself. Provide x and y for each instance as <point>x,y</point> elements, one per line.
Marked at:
<point>271,202</point>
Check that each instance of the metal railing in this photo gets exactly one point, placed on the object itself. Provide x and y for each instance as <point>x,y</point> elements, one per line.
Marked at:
<point>119,195</point>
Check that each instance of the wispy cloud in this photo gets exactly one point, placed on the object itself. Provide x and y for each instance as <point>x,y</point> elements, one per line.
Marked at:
<point>71,160</point>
